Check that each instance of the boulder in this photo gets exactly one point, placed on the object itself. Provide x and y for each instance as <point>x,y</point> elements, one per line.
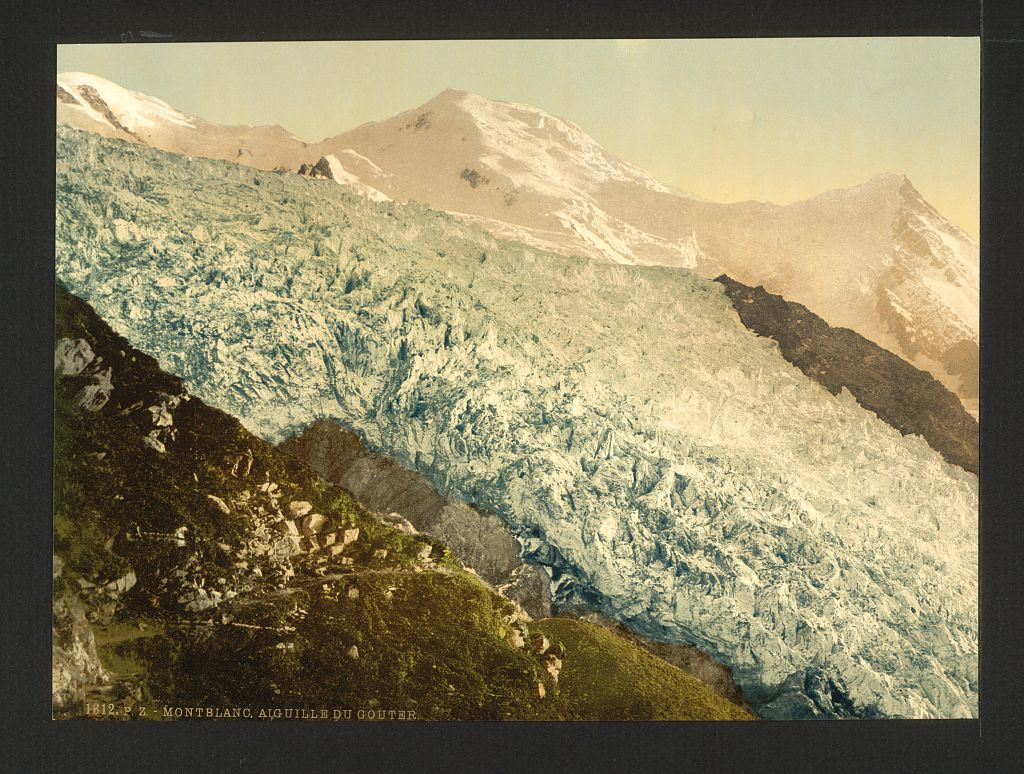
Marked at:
<point>299,508</point>
<point>399,522</point>
<point>161,416</point>
<point>94,396</point>
<point>553,665</point>
<point>71,357</point>
<point>312,523</point>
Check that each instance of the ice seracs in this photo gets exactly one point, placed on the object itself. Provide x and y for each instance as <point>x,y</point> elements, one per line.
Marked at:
<point>667,465</point>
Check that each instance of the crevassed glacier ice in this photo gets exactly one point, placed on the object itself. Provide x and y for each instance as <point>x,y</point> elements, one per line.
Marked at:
<point>672,466</point>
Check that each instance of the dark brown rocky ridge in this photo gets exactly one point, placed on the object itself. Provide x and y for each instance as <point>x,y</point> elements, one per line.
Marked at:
<point>905,397</point>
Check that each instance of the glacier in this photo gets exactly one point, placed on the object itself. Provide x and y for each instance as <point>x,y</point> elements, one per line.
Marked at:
<point>673,470</point>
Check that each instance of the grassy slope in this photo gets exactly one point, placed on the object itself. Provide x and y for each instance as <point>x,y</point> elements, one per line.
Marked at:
<point>616,680</point>
<point>430,637</point>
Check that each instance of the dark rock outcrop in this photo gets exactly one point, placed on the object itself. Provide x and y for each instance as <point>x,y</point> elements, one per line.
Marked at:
<point>319,171</point>
<point>90,95</point>
<point>907,398</point>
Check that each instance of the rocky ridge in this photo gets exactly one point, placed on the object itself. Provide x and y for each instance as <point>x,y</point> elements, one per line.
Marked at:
<point>909,399</point>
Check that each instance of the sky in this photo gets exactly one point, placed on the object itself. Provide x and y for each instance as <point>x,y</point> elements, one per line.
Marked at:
<point>771,119</point>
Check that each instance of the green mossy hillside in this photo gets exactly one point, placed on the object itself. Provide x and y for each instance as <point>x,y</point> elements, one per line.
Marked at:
<point>609,678</point>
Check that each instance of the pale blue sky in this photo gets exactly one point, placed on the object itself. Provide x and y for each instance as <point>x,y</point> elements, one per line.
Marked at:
<point>729,120</point>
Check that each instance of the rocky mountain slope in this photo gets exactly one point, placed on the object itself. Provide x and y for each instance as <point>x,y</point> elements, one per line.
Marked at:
<point>837,358</point>
<point>875,258</point>
<point>667,464</point>
<point>200,567</point>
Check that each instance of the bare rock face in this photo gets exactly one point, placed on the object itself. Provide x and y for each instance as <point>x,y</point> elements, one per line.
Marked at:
<point>74,358</point>
<point>905,397</point>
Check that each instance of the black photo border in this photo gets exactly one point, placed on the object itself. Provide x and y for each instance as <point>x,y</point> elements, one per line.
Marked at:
<point>32,742</point>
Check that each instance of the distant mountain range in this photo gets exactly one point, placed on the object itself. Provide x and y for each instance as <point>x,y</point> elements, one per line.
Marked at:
<point>875,258</point>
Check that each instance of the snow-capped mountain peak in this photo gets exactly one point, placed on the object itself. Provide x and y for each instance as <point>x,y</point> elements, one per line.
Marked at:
<point>542,152</point>
<point>117,107</point>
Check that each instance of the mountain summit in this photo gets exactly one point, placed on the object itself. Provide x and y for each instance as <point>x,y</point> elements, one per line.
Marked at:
<point>875,258</point>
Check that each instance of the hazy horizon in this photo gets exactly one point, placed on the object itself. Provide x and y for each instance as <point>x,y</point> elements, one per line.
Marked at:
<point>777,120</point>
